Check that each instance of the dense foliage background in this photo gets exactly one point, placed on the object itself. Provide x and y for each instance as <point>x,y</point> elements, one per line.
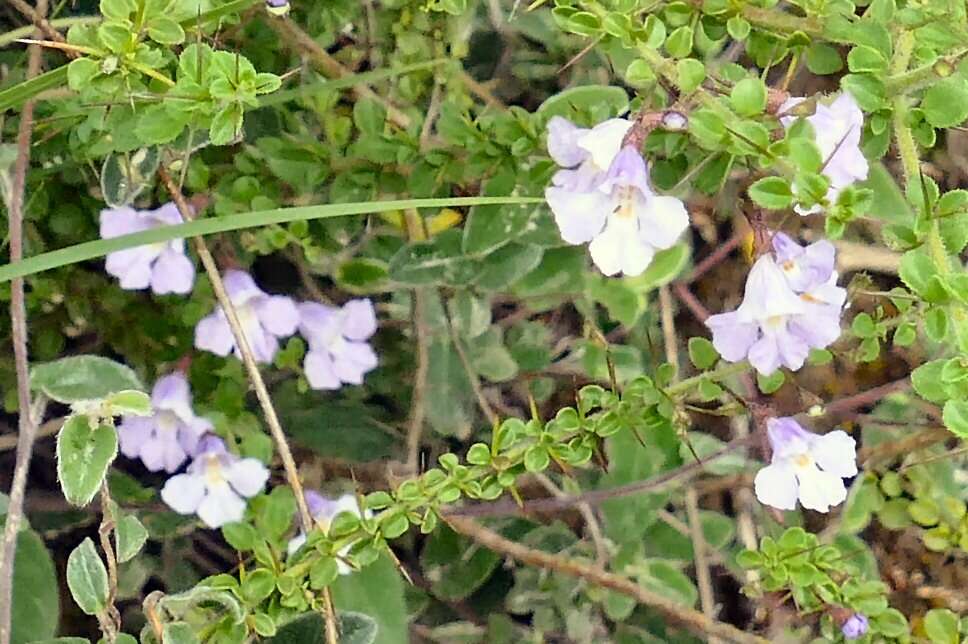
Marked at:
<point>551,454</point>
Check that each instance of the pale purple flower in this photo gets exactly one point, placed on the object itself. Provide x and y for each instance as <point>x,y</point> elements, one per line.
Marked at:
<point>607,199</point>
<point>265,318</point>
<point>324,510</point>
<point>163,266</point>
<point>837,129</point>
<point>170,434</point>
<point>216,484</point>
<point>338,352</point>
<point>805,466</point>
<point>278,7</point>
<point>791,304</point>
<point>855,627</point>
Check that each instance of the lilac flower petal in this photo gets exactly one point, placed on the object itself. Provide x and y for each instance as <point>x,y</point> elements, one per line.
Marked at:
<point>184,493</point>
<point>584,178</point>
<point>855,627</point>
<point>134,432</point>
<point>563,138</point>
<point>836,452</point>
<point>732,338</point>
<point>787,438</point>
<point>820,490</point>
<point>240,287</point>
<point>315,502</point>
<point>210,444</point>
<point>264,345</point>
<point>764,355</point>
<point>317,322</point>
<point>662,221</point>
<point>628,169</point>
<point>168,214</point>
<point>172,393</point>
<point>278,314</point>
<point>793,349</point>
<point>121,221</point>
<point>320,372</point>
<point>785,248</point>
<point>604,141</point>
<point>580,216</point>
<point>132,266</point>
<point>173,272</point>
<point>353,360</point>
<point>221,506</point>
<point>360,320</point>
<point>620,249</point>
<point>213,334</point>
<point>776,486</point>
<point>768,295</point>
<point>247,476</point>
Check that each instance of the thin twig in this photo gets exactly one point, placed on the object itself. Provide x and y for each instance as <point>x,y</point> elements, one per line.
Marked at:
<point>669,339</point>
<point>27,424</point>
<point>591,521</point>
<point>472,376</point>
<point>418,403</point>
<point>594,497</point>
<point>50,428</point>
<point>108,525</point>
<point>682,528</point>
<point>294,37</point>
<point>261,392</point>
<point>703,579</point>
<point>691,619</point>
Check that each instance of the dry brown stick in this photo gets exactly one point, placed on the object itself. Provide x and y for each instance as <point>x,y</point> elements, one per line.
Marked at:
<point>50,428</point>
<point>676,613</point>
<point>292,36</point>
<point>255,377</point>
<point>27,424</point>
<point>703,579</point>
<point>40,20</point>
<point>591,521</point>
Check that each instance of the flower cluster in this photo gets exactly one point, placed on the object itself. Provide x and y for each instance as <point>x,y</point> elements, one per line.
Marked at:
<point>602,195</point>
<point>338,352</point>
<point>324,510</point>
<point>171,433</point>
<point>163,267</point>
<point>216,484</point>
<point>792,304</point>
<point>837,128</point>
<point>805,466</point>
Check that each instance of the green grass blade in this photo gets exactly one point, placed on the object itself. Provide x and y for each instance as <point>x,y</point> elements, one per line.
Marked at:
<point>364,78</point>
<point>211,225</point>
<point>22,92</point>
<point>236,6</point>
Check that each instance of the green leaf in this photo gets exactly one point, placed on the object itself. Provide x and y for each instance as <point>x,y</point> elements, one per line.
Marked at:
<point>241,536</point>
<point>369,116</point>
<point>87,578</point>
<point>867,90</point>
<point>738,28</point>
<point>323,572</point>
<point>679,42</point>
<point>35,610</point>
<point>773,193</point>
<point>866,59</point>
<point>823,59</point>
<point>129,537</point>
<point>916,271</point>
<point>941,626</point>
<point>83,456</point>
<point>666,266</point>
<point>928,383</point>
<point>489,227</point>
<point>586,98</point>
<point>377,591</point>
<point>456,565</point>
<point>226,125</point>
<point>945,103</point>
<point>258,585</point>
<point>702,353</point>
<point>690,73</point>
<point>178,633</point>
<point>955,417</point>
<point>166,31</point>
<point>117,9</point>
<point>129,402</point>
<point>936,323</point>
<point>771,383</point>
<point>124,176</point>
<point>748,97</point>
<point>211,225</point>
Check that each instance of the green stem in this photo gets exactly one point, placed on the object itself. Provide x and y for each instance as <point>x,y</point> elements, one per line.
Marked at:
<point>721,373</point>
<point>781,21</point>
<point>211,225</point>
<point>59,23</point>
<point>905,82</point>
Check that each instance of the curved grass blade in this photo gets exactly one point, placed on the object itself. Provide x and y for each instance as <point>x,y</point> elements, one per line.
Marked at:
<point>22,92</point>
<point>210,225</point>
